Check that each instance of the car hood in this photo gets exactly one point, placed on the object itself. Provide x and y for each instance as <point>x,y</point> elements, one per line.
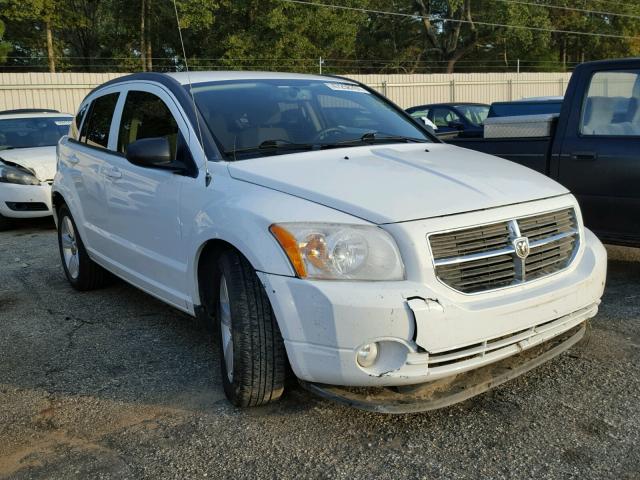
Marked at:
<point>388,184</point>
<point>40,160</point>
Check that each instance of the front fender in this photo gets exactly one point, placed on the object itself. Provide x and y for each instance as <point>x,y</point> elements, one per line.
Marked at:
<point>240,214</point>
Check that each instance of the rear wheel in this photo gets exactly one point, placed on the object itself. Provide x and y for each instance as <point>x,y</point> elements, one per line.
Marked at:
<point>81,272</point>
<point>252,355</point>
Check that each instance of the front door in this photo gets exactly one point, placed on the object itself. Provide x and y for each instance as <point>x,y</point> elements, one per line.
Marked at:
<point>143,202</point>
<point>600,159</point>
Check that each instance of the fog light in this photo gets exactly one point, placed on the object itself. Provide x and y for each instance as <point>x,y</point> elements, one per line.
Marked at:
<point>367,355</point>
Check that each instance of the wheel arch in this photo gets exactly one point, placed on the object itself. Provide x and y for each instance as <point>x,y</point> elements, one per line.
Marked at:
<point>57,200</point>
<point>206,255</point>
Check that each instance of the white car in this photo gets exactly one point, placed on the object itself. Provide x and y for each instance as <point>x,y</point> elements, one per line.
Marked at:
<point>28,140</point>
<point>317,225</point>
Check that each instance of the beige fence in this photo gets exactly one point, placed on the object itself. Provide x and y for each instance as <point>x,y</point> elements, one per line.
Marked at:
<point>64,91</point>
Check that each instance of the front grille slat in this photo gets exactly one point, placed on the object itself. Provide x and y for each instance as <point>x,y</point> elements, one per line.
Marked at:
<point>478,259</point>
<point>474,272</point>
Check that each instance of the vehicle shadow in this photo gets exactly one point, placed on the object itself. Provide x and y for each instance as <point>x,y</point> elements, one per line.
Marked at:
<point>21,226</point>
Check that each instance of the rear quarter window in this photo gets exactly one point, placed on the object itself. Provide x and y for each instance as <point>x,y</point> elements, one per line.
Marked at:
<point>74,132</point>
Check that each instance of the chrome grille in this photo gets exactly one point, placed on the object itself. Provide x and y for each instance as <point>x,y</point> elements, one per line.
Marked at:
<point>507,253</point>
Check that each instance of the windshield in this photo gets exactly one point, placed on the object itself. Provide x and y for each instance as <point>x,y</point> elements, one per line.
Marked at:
<point>32,132</point>
<point>524,108</point>
<point>476,114</point>
<point>268,117</point>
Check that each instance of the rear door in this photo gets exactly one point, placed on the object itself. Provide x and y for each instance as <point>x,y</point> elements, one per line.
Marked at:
<point>85,160</point>
<point>600,156</point>
<point>143,202</point>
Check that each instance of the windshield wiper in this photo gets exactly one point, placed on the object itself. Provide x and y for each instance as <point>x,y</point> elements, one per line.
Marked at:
<point>371,138</point>
<point>275,145</point>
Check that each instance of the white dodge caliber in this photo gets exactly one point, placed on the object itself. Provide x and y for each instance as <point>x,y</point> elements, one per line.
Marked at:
<point>317,225</point>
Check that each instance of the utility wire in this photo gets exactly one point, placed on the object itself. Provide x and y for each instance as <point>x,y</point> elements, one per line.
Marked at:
<point>620,4</point>
<point>454,20</point>
<point>572,9</point>
<point>286,60</point>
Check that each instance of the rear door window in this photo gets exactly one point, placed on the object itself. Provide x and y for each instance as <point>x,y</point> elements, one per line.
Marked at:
<point>95,131</point>
<point>612,104</point>
<point>145,115</point>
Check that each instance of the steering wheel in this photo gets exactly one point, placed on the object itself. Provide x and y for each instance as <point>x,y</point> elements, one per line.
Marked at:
<point>327,133</point>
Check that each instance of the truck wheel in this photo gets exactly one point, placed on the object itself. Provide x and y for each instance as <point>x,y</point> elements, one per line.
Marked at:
<point>5,223</point>
<point>81,272</point>
<point>252,354</point>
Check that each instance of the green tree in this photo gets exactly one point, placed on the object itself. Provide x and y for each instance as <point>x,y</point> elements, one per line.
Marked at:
<point>41,16</point>
<point>5,47</point>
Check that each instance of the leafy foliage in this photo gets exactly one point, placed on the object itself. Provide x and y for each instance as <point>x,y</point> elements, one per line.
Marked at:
<point>427,36</point>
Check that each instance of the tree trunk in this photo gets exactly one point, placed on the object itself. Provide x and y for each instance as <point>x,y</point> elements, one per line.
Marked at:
<point>50,52</point>
<point>451,65</point>
<point>143,34</point>
<point>505,56</point>
<point>149,50</point>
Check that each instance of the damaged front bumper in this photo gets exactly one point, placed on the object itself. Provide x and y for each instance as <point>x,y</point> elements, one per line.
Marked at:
<point>425,333</point>
<point>452,389</point>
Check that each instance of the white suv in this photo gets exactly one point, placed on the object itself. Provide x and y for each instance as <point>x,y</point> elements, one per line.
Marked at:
<point>317,225</point>
<point>28,140</point>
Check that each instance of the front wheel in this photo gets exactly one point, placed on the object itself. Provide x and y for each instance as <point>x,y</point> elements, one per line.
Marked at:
<point>81,272</point>
<point>252,354</point>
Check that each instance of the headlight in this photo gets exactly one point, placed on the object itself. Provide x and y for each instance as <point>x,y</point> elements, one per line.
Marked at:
<point>13,175</point>
<point>339,251</point>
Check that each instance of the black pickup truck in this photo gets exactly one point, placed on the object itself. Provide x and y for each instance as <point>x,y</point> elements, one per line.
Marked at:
<point>592,148</point>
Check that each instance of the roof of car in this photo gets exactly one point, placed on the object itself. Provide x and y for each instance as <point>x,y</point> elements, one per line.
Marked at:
<point>532,100</point>
<point>220,76</point>
<point>449,104</point>
<point>30,110</point>
<point>36,114</point>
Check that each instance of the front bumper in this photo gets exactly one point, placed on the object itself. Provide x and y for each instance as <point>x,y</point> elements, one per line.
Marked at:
<point>426,333</point>
<point>440,394</point>
<point>25,196</point>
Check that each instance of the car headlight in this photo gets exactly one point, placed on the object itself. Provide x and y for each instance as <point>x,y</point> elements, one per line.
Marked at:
<point>339,251</point>
<point>10,174</point>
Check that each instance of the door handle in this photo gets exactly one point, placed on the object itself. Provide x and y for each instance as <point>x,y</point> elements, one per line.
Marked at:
<point>113,173</point>
<point>584,155</point>
<point>73,158</point>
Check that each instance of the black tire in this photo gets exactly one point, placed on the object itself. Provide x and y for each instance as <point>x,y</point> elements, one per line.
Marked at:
<point>89,275</point>
<point>259,358</point>
<point>5,223</point>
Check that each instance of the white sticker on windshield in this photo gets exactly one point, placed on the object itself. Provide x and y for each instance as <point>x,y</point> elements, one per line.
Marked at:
<point>346,87</point>
<point>63,122</point>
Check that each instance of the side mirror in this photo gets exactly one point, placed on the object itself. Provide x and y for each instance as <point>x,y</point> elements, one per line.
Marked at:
<point>153,152</point>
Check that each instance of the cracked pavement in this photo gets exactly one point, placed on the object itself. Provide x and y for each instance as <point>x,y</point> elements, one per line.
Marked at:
<point>114,384</point>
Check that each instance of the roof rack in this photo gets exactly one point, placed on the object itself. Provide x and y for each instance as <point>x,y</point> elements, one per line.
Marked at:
<point>28,110</point>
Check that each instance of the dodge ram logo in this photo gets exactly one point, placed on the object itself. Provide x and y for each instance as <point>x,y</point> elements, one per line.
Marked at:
<point>521,246</point>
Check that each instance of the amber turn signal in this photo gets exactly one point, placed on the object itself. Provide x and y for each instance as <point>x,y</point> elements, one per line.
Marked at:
<point>290,246</point>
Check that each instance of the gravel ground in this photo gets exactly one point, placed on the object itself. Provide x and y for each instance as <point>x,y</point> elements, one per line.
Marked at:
<point>113,384</point>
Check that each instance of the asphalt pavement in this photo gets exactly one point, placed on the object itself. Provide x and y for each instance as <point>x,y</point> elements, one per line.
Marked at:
<point>114,384</point>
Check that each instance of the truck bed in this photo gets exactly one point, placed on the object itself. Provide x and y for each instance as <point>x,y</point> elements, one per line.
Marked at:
<point>530,152</point>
